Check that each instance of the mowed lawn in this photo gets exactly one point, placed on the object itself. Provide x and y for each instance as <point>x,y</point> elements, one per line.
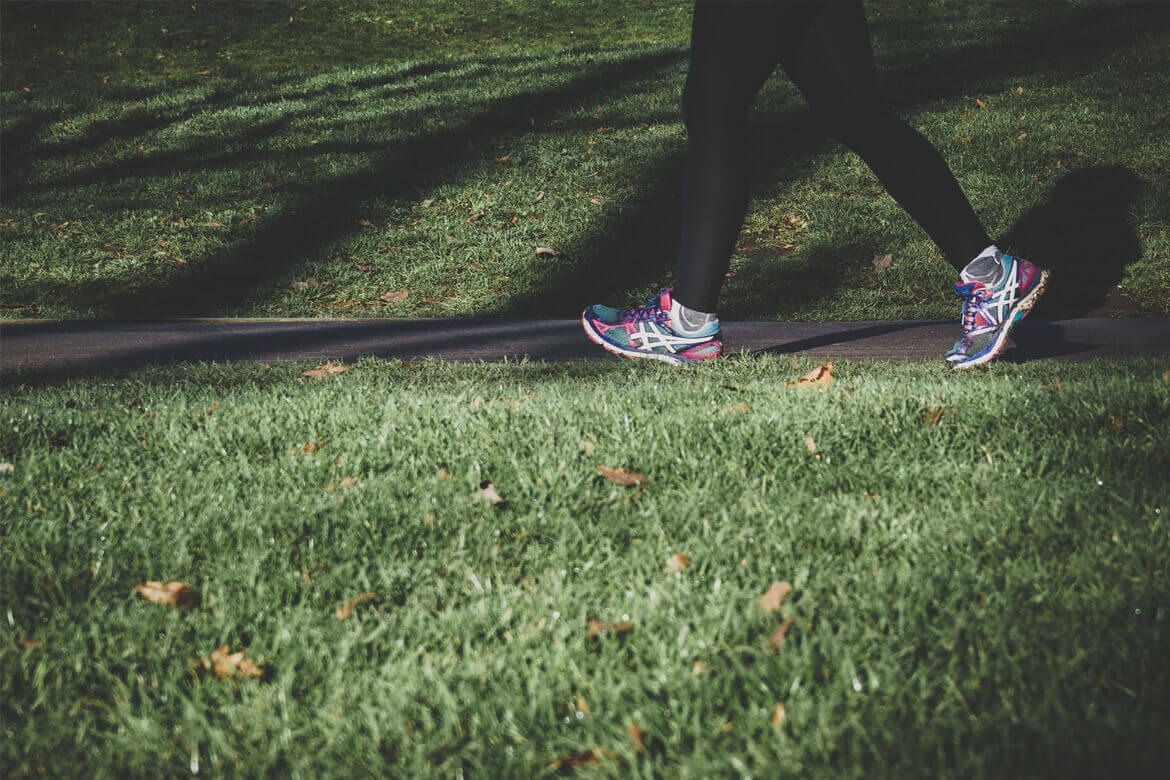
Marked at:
<point>306,159</point>
<point>977,562</point>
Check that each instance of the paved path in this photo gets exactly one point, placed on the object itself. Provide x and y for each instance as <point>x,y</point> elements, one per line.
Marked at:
<point>85,346</point>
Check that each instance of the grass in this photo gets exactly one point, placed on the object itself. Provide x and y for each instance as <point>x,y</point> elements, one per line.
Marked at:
<point>293,159</point>
<point>980,596</point>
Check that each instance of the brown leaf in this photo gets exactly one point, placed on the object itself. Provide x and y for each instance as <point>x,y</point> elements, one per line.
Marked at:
<point>172,594</point>
<point>740,407</point>
<point>476,216</point>
<point>1021,136</point>
<point>699,669</point>
<point>622,477</point>
<point>345,609</point>
<point>544,250</point>
<point>347,482</point>
<point>981,104</point>
<point>777,637</point>
<point>362,222</point>
<point>1058,385</point>
<point>310,446</point>
<point>591,757</point>
<point>226,664</point>
<point>426,203</point>
<point>538,198</point>
<point>882,261</point>
<point>596,628</point>
<point>678,562</point>
<point>212,224</point>
<point>394,296</point>
<point>810,444</point>
<point>595,201</point>
<point>636,736</point>
<point>487,491</point>
<point>443,473</point>
<point>30,644</point>
<point>582,705</point>
<point>779,715</point>
<point>933,416</point>
<point>774,597</point>
<point>821,377</point>
<point>329,368</point>
<point>504,158</point>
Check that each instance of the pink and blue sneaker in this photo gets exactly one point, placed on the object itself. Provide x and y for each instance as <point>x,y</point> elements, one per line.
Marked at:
<point>990,312</point>
<point>648,333</point>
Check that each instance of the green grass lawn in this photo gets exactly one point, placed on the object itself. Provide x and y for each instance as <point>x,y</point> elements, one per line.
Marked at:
<point>983,593</point>
<point>303,159</point>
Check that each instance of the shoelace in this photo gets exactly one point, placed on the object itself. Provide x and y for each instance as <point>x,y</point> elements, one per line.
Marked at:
<point>651,312</point>
<point>973,300</point>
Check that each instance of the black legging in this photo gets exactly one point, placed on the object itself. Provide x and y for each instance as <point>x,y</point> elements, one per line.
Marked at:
<point>825,50</point>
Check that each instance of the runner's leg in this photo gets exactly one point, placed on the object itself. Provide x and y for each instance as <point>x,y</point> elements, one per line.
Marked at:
<point>832,65</point>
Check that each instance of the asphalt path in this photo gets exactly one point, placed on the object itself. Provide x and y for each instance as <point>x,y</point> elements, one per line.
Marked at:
<point>81,347</point>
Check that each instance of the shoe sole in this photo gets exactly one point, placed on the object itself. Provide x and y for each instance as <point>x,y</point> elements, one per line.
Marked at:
<point>1019,312</point>
<point>633,354</point>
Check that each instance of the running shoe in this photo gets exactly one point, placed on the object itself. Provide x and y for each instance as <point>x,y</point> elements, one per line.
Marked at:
<point>646,333</point>
<point>990,312</point>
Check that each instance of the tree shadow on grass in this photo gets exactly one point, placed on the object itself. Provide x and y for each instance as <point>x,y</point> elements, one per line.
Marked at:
<point>633,247</point>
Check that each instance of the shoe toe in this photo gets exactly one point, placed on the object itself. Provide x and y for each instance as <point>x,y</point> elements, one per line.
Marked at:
<point>606,314</point>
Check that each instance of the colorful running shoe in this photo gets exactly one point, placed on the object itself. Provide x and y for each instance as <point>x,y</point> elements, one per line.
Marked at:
<point>647,333</point>
<point>990,312</point>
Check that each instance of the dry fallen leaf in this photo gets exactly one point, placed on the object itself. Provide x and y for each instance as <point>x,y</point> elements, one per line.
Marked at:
<point>636,736</point>
<point>475,216</point>
<point>443,473</point>
<point>777,637</point>
<point>622,477</point>
<point>226,664</point>
<point>933,416</point>
<point>1021,136</point>
<point>7,468</point>
<point>30,644</point>
<point>678,562</point>
<point>821,376</point>
<point>172,594</point>
<point>326,369</point>
<point>394,296</point>
<point>1115,423</point>
<point>582,705</point>
<point>740,407</point>
<point>882,261</point>
<point>778,714</point>
<point>345,609</point>
<point>538,198</point>
<point>487,491</point>
<point>699,669</point>
<point>591,757</point>
<point>596,628</point>
<point>810,444</point>
<point>544,250</point>
<point>363,222</point>
<point>981,104</point>
<point>774,598</point>
<point>1058,385</point>
<point>595,201</point>
<point>504,158</point>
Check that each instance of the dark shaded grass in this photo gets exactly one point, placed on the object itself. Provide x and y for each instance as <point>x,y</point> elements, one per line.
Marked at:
<point>316,172</point>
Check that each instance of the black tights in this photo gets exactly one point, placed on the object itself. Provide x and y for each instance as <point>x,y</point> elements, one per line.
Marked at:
<point>825,50</point>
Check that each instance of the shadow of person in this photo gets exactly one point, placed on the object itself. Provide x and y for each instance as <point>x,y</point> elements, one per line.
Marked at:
<point>1083,234</point>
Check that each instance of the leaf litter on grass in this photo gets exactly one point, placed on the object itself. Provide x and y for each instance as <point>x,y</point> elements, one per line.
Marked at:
<point>328,368</point>
<point>820,377</point>
<point>171,595</point>
<point>227,665</point>
<point>346,609</point>
<point>620,476</point>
